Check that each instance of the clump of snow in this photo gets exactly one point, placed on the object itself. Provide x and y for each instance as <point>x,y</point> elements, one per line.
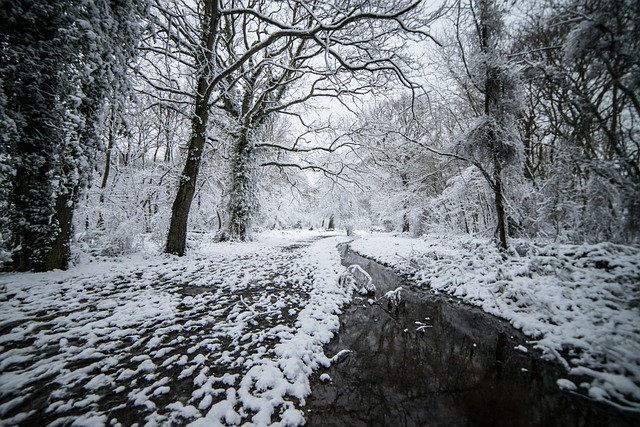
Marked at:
<point>565,384</point>
<point>325,377</point>
<point>339,356</point>
<point>356,278</point>
<point>347,282</point>
<point>521,348</point>
<point>578,303</point>
<point>394,297</point>
<point>184,411</point>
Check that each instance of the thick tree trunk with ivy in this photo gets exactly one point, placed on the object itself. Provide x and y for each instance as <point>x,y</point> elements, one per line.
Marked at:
<point>31,77</point>
<point>58,256</point>
<point>29,220</point>
<point>56,76</point>
<point>243,201</point>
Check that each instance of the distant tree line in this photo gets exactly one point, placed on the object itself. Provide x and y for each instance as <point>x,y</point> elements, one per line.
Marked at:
<point>218,70</point>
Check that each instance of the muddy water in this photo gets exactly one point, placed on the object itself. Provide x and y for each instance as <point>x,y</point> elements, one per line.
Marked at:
<point>435,362</point>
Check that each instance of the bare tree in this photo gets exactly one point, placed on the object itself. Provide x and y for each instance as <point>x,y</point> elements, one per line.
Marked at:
<point>232,44</point>
<point>392,133</point>
<point>580,127</point>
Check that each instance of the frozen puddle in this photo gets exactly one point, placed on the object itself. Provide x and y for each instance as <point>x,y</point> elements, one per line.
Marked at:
<point>433,362</point>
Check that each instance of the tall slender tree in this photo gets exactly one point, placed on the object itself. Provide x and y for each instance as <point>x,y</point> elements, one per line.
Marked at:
<point>492,144</point>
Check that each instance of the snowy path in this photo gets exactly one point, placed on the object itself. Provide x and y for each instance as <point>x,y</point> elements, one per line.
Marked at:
<point>228,335</point>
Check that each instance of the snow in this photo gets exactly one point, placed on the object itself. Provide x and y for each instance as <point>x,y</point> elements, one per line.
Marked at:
<point>325,377</point>
<point>578,304</point>
<point>362,279</point>
<point>395,297</point>
<point>229,334</point>
<point>521,348</point>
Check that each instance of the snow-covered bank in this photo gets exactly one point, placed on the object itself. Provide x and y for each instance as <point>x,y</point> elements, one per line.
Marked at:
<point>228,334</point>
<point>580,305</point>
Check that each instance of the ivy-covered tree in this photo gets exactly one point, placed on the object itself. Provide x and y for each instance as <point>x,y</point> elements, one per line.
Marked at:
<point>60,61</point>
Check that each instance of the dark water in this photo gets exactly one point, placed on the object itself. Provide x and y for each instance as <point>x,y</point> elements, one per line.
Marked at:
<point>456,367</point>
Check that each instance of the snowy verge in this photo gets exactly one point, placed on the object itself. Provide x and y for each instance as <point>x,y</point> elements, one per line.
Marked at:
<point>579,304</point>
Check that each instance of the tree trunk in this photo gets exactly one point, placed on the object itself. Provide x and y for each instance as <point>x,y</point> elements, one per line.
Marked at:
<point>44,244</point>
<point>177,235</point>
<point>491,86</point>
<point>30,228</point>
<point>527,141</point>
<point>243,200</point>
<point>405,222</point>
<point>500,211</point>
<point>107,162</point>
<point>492,109</point>
<point>105,174</point>
<point>58,255</point>
<point>405,203</point>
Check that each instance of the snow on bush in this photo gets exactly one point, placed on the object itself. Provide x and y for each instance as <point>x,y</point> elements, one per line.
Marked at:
<point>357,278</point>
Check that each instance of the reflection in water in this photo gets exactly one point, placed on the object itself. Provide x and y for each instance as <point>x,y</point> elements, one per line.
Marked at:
<point>433,362</point>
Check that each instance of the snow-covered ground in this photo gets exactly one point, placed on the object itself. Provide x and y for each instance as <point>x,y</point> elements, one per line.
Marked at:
<point>228,334</point>
<point>231,333</point>
<point>579,305</point>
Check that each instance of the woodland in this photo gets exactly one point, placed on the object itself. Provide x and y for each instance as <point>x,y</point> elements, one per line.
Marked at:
<point>320,212</point>
<point>123,123</point>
